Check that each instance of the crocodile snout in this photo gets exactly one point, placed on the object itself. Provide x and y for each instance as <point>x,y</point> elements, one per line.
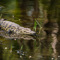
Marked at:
<point>33,34</point>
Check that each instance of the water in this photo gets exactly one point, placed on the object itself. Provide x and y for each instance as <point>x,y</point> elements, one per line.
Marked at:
<point>43,47</point>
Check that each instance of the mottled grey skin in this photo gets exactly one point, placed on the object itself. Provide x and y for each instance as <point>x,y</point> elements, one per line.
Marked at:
<point>9,27</point>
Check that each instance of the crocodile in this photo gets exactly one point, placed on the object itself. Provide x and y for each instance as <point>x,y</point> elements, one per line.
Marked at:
<point>11,27</point>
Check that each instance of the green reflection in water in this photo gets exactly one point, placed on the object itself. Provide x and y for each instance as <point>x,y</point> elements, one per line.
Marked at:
<point>35,50</point>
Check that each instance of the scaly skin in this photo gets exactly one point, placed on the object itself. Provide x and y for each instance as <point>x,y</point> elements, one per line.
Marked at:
<point>9,26</point>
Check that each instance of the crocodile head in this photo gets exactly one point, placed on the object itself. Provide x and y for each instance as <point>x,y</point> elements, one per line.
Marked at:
<point>26,31</point>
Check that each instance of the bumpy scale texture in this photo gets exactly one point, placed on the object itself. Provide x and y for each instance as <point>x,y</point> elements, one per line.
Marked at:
<point>9,26</point>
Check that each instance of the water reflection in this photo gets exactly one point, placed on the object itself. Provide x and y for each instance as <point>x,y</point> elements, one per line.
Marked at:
<point>30,49</point>
<point>39,49</point>
<point>1,51</point>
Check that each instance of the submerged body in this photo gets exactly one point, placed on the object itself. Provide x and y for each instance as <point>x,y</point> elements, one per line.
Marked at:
<point>12,27</point>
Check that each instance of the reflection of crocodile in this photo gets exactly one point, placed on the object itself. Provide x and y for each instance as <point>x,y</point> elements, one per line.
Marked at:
<point>11,27</point>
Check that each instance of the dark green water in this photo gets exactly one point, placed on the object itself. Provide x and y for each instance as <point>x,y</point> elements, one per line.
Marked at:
<point>44,47</point>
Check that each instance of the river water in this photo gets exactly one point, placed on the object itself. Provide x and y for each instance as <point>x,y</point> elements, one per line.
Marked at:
<point>45,45</point>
